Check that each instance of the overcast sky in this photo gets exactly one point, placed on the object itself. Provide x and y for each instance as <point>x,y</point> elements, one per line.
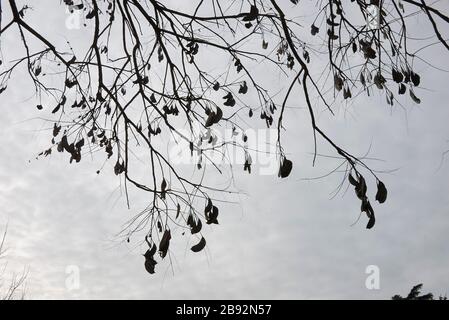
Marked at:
<point>284,239</point>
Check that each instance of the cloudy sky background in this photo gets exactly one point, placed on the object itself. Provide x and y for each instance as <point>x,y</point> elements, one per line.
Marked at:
<point>282,240</point>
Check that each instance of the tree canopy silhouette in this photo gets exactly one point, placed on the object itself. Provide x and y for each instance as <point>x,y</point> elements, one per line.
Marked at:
<point>143,77</point>
<point>415,294</point>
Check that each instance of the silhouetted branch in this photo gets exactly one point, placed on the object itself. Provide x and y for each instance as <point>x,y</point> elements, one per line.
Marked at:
<point>145,79</point>
<point>16,282</point>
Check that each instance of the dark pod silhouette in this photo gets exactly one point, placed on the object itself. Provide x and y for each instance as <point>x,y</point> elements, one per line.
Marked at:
<point>368,209</point>
<point>243,88</point>
<point>371,222</point>
<point>360,189</point>
<point>163,188</point>
<point>381,194</point>
<point>194,224</point>
<point>398,77</point>
<point>252,15</point>
<point>285,168</point>
<point>199,246</point>
<point>414,97</point>
<point>214,117</point>
<point>416,79</point>
<point>178,210</point>
<point>150,263</point>
<point>164,244</point>
<point>230,101</point>
<point>212,215</point>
